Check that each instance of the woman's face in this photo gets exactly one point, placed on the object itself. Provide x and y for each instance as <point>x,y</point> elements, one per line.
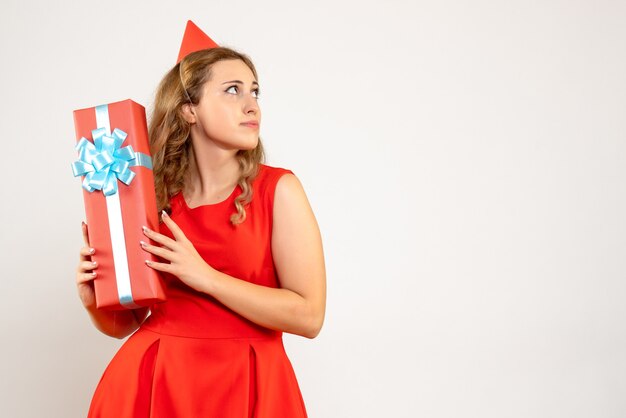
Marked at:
<point>229,100</point>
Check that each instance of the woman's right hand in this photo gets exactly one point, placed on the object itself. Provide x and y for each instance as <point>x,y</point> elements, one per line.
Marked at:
<point>85,273</point>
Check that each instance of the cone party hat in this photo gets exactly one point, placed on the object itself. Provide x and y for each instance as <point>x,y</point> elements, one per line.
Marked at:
<point>194,40</point>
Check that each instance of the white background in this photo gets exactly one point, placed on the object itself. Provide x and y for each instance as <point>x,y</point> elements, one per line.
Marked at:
<point>465,161</point>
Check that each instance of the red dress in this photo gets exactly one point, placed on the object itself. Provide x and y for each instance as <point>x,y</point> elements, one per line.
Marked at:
<point>194,357</point>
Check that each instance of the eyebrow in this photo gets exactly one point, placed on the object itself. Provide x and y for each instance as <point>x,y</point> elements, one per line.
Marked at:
<point>238,82</point>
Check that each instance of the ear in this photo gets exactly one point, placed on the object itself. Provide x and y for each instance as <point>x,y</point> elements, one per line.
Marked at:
<point>189,113</point>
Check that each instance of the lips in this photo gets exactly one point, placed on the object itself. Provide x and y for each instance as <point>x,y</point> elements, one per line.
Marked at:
<point>251,124</point>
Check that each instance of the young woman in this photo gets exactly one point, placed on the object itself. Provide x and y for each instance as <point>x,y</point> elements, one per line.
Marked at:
<point>241,258</point>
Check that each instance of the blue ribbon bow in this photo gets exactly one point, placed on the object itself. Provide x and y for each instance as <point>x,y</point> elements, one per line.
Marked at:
<point>105,162</point>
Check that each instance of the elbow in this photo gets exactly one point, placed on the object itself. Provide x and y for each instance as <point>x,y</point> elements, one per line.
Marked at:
<point>126,333</point>
<point>312,334</point>
<point>309,318</point>
<point>314,326</point>
<point>117,335</point>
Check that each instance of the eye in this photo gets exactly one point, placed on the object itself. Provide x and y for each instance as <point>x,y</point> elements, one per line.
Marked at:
<point>257,91</point>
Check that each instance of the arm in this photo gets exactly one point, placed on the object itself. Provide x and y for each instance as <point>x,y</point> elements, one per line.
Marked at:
<point>298,306</point>
<point>118,324</point>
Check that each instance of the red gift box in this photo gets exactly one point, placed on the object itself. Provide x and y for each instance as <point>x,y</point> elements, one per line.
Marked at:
<point>112,139</point>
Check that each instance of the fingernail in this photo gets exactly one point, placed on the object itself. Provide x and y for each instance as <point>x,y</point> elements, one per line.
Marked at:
<point>164,213</point>
<point>93,263</point>
<point>143,244</point>
<point>92,250</point>
<point>93,273</point>
<point>145,228</point>
<point>148,262</point>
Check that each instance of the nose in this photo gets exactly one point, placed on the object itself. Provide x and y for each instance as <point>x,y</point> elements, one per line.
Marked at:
<point>251,104</point>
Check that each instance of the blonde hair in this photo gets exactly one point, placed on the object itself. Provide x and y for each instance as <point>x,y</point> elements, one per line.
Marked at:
<point>169,132</point>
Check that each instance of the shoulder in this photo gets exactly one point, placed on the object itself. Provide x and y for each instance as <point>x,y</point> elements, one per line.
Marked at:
<point>289,195</point>
<point>268,172</point>
<point>279,186</point>
<point>269,177</point>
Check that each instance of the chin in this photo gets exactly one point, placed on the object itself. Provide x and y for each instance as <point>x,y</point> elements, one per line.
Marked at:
<point>249,145</point>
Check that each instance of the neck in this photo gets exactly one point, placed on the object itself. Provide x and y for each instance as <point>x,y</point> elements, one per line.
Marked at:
<point>211,169</point>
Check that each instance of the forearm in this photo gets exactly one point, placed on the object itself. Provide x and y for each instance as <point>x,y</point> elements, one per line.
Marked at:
<point>117,324</point>
<point>274,308</point>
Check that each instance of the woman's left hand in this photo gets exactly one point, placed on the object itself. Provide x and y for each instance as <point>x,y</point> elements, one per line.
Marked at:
<point>184,261</point>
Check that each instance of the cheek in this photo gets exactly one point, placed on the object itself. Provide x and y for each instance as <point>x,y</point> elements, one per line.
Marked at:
<point>219,118</point>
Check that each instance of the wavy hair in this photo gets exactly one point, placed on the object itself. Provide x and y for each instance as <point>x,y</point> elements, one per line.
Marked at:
<point>169,132</point>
